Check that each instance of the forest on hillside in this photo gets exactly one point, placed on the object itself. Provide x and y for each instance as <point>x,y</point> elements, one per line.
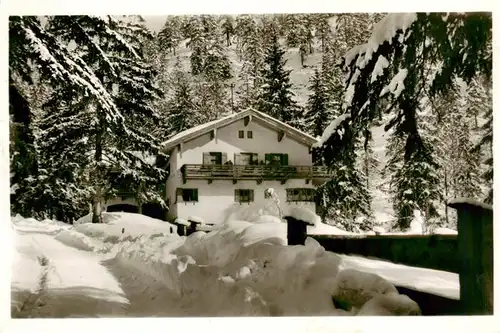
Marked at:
<point>91,98</point>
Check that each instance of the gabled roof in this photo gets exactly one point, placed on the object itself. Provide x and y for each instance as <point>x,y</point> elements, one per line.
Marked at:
<point>255,115</point>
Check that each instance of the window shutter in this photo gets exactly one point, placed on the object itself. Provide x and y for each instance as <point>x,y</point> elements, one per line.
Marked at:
<point>237,159</point>
<point>268,158</point>
<point>284,159</point>
<point>250,195</point>
<point>255,159</point>
<point>236,196</point>
<point>178,194</point>
<point>195,194</point>
<point>206,158</point>
<point>224,158</point>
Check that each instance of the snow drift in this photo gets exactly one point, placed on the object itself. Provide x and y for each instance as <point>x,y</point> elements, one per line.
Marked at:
<point>239,268</point>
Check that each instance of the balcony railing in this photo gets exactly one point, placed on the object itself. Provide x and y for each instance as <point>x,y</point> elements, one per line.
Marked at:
<point>252,172</point>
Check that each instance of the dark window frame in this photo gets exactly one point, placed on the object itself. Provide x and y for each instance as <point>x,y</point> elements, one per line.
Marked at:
<point>241,134</point>
<point>300,195</point>
<point>246,197</point>
<point>249,135</point>
<point>181,193</point>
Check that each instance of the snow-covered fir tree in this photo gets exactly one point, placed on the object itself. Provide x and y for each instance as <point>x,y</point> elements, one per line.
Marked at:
<point>481,96</point>
<point>99,140</point>
<point>323,29</point>
<point>170,35</point>
<point>228,28</point>
<point>394,64</point>
<point>452,136</point>
<point>182,112</point>
<point>35,52</point>
<point>275,96</point>
<point>318,114</point>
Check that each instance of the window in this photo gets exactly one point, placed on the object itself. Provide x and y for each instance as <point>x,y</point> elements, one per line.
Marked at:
<point>243,195</point>
<point>214,158</point>
<point>241,134</point>
<point>249,134</point>
<point>300,194</point>
<point>187,194</point>
<point>276,159</point>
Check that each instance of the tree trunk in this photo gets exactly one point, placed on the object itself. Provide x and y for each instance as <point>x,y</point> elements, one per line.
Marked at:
<point>228,40</point>
<point>96,203</point>
<point>446,196</point>
<point>96,209</point>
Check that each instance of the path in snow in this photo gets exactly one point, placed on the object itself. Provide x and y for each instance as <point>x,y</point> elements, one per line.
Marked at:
<point>75,284</point>
<point>148,296</point>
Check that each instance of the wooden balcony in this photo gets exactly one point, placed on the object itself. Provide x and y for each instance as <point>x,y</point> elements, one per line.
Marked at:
<point>258,173</point>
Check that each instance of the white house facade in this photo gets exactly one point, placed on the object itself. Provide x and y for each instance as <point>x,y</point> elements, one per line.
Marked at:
<point>232,161</point>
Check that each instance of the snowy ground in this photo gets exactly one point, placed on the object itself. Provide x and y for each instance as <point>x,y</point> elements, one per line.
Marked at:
<point>133,265</point>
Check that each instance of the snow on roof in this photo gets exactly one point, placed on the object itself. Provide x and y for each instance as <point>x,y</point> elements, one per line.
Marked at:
<point>196,219</point>
<point>204,128</point>
<point>304,214</point>
<point>464,201</point>
<point>328,132</point>
<point>195,129</point>
<point>326,229</point>
<point>181,221</point>
<point>444,231</point>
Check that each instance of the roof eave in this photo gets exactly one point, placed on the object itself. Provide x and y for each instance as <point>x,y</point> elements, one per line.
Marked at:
<point>298,135</point>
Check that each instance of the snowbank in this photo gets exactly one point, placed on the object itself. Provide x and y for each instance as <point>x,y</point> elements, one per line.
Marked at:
<point>239,268</point>
<point>354,288</point>
<point>390,305</point>
<point>182,222</point>
<point>325,229</point>
<point>444,231</point>
<point>119,226</point>
<point>196,219</point>
<point>304,214</point>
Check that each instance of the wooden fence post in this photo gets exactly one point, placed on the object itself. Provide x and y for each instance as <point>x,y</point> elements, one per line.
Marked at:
<point>475,246</point>
<point>296,231</point>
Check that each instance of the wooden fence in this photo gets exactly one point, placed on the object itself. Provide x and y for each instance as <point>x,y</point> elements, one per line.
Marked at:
<point>470,254</point>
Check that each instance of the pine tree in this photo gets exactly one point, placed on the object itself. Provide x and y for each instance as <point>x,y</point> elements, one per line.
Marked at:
<point>182,111</point>
<point>170,35</point>
<point>275,96</point>
<point>481,98</point>
<point>323,29</point>
<point>344,198</point>
<point>317,115</point>
<point>228,28</point>
<point>246,31</point>
<point>117,140</point>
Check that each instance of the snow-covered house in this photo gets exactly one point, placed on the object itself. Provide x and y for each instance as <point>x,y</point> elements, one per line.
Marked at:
<point>233,160</point>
